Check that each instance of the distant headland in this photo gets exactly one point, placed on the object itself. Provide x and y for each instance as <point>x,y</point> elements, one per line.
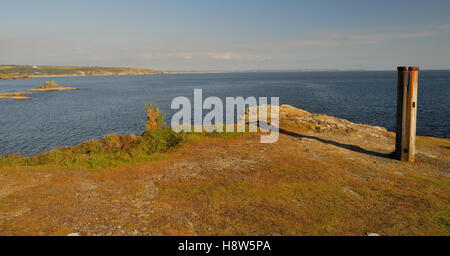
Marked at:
<point>10,72</point>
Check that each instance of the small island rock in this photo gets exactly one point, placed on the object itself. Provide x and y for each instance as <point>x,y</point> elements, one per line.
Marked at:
<point>51,86</point>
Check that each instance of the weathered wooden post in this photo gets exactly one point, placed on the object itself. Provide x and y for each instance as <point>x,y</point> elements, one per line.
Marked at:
<point>405,142</point>
<point>411,112</point>
<point>402,87</point>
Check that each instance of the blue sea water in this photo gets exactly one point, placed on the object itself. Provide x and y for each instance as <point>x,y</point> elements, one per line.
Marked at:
<point>115,104</point>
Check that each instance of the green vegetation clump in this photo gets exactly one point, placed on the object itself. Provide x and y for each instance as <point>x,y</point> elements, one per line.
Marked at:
<point>48,85</point>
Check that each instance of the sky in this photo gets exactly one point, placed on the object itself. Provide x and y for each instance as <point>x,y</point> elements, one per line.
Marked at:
<point>227,35</point>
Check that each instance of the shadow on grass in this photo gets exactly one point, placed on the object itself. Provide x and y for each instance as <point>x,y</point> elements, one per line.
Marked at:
<point>341,145</point>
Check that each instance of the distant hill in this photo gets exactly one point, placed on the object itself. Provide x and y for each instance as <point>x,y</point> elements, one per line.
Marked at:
<point>18,72</point>
<point>6,75</point>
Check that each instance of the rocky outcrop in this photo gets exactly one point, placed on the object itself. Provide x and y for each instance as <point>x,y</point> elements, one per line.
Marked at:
<point>321,123</point>
<point>15,96</point>
<point>51,86</point>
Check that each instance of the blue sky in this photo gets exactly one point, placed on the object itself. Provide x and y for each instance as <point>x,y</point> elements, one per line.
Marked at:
<point>227,35</point>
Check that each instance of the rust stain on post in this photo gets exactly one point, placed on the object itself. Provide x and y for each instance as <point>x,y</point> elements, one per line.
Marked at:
<point>411,113</point>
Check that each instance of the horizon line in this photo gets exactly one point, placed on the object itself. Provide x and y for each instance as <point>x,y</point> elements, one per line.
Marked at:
<point>234,71</point>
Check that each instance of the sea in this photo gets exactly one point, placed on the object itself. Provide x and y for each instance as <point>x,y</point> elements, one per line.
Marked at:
<point>116,104</point>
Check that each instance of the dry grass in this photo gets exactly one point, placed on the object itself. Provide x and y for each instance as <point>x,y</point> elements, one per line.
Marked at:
<point>230,184</point>
<point>291,194</point>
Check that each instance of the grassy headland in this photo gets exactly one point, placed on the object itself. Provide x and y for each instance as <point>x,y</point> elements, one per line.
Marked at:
<point>24,71</point>
<point>325,176</point>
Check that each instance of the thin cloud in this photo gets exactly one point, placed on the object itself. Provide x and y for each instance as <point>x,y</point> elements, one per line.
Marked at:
<point>392,36</point>
<point>230,56</point>
<point>162,55</point>
<point>197,55</point>
<point>336,38</point>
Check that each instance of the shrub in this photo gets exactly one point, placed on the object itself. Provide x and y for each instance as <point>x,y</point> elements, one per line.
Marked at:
<point>161,140</point>
<point>48,84</point>
<point>155,117</point>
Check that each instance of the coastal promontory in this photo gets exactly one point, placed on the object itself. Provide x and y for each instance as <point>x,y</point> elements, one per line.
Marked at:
<point>11,72</point>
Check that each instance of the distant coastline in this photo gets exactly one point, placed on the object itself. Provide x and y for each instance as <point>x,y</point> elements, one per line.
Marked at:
<point>12,72</point>
<point>67,75</point>
<point>38,76</point>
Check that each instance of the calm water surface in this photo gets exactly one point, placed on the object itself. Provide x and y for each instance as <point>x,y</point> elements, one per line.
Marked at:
<point>105,105</point>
